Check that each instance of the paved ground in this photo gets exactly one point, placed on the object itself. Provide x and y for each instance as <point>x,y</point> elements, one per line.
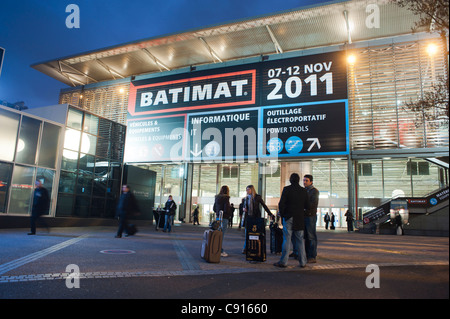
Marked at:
<point>159,265</point>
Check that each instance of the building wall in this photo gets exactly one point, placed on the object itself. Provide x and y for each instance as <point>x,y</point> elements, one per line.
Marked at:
<point>29,150</point>
<point>91,166</point>
<point>386,74</point>
<point>381,81</point>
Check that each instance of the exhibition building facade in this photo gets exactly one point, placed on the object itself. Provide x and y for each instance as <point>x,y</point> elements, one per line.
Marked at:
<point>323,90</point>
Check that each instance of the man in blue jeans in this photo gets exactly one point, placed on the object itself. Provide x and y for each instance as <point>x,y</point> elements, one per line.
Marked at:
<point>293,203</point>
<point>311,219</point>
<point>170,209</point>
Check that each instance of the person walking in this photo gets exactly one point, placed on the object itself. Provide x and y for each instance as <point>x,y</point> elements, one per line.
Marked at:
<point>349,219</point>
<point>170,209</point>
<point>251,209</point>
<point>326,219</point>
<point>222,203</point>
<point>126,207</point>
<point>311,219</point>
<point>195,213</point>
<point>230,220</point>
<point>292,206</point>
<point>41,205</point>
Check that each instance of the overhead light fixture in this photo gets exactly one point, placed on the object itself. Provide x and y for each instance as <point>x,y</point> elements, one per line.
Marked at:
<point>351,59</point>
<point>432,49</point>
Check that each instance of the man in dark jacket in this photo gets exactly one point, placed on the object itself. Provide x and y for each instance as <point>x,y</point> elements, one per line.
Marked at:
<point>127,207</point>
<point>293,203</point>
<point>170,209</point>
<point>41,205</point>
<point>311,219</point>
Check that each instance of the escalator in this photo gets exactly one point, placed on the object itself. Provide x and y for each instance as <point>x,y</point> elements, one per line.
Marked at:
<point>423,216</point>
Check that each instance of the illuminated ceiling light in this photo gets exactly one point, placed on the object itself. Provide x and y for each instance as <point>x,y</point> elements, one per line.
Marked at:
<point>351,59</point>
<point>432,49</point>
<point>121,90</point>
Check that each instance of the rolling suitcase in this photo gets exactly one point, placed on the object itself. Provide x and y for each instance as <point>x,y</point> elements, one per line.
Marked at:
<point>212,242</point>
<point>276,238</point>
<point>256,240</point>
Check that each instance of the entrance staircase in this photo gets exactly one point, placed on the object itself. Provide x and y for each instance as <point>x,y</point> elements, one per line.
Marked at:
<point>427,216</point>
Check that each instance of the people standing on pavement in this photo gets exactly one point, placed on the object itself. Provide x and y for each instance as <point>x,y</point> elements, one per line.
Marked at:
<point>251,208</point>
<point>230,220</point>
<point>222,203</point>
<point>292,206</point>
<point>349,219</point>
<point>311,219</point>
<point>399,224</point>
<point>170,209</point>
<point>332,220</point>
<point>326,219</point>
<point>241,212</point>
<point>41,205</point>
<point>126,207</point>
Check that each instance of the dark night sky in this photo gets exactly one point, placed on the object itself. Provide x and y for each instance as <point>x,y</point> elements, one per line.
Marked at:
<point>34,31</point>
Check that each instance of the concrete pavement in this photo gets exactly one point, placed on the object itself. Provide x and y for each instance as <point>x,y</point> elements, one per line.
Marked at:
<point>53,260</point>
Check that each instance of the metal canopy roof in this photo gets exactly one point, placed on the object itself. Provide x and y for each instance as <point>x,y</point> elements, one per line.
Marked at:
<point>333,23</point>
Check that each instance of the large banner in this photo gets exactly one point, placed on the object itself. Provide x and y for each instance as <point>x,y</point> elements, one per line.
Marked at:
<point>282,108</point>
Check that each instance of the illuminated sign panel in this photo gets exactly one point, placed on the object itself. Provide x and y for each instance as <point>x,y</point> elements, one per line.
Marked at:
<point>286,108</point>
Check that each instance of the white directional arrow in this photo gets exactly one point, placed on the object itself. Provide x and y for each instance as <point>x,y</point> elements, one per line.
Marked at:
<point>196,153</point>
<point>314,140</point>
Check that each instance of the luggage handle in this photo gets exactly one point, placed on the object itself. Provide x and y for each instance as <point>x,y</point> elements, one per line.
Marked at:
<point>219,221</point>
<point>219,216</point>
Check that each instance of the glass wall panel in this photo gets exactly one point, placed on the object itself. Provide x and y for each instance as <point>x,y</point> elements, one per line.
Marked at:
<point>5,181</point>
<point>67,181</point>
<point>69,161</point>
<point>425,178</point>
<point>90,171</point>
<point>370,179</point>
<point>173,178</point>
<point>84,185</point>
<point>339,177</point>
<point>74,118</point>
<point>88,143</point>
<point>82,206</point>
<point>28,140</point>
<point>273,180</point>
<point>72,140</point>
<point>208,180</point>
<point>21,190</point>
<point>397,182</point>
<point>97,207</point>
<point>90,124</point>
<point>321,178</point>
<point>49,145</point>
<point>86,164</point>
<point>64,206</point>
<point>46,176</point>
<point>8,134</point>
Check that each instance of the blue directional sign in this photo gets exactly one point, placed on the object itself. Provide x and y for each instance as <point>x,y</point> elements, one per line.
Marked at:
<point>305,129</point>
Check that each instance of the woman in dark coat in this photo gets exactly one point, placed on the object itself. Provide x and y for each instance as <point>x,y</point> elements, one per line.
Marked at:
<point>222,203</point>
